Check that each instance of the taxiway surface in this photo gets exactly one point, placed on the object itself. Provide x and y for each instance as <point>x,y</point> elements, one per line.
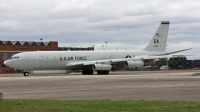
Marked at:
<point>135,85</point>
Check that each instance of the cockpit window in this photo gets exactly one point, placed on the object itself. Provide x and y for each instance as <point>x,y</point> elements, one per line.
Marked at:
<point>14,57</point>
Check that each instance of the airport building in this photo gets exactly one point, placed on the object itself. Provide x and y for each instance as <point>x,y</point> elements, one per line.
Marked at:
<point>9,48</point>
<point>180,62</point>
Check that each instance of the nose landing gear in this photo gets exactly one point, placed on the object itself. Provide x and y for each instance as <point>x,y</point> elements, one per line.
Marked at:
<point>26,73</point>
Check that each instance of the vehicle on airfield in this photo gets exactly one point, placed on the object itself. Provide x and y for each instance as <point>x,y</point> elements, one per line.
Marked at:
<point>152,68</point>
<point>63,62</point>
<point>165,67</point>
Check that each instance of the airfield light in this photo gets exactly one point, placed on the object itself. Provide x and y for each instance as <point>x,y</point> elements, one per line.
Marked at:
<point>106,44</point>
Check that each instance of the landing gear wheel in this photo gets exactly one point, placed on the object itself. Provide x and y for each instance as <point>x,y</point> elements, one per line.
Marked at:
<point>87,72</point>
<point>103,72</point>
<point>99,72</point>
<point>83,72</point>
<point>106,72</point>
<point>26,74</point>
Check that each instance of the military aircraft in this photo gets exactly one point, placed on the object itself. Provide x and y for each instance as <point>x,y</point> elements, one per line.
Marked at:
<point>41,62</point>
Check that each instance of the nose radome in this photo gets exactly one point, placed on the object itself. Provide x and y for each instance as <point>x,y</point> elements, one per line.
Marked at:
<point>5,62</point>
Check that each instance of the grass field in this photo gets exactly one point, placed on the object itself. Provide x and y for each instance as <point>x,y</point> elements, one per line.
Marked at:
<point>196,74</point>
<point>97,106</point>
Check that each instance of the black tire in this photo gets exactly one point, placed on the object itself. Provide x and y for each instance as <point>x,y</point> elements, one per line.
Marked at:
<point>106,72</point>
<point>91,72</point>
<point>103,72</point>
<point>83,72</point>
<point>87,72</point>
<point>99,72</point>
<point>26,74</point>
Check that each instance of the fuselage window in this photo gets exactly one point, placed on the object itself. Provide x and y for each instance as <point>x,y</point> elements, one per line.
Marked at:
<point>64,58</point>
<point>60,58</point>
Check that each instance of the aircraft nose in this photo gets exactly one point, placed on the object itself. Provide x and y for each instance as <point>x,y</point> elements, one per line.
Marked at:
<point>10,64</point>
<point>5,63</point>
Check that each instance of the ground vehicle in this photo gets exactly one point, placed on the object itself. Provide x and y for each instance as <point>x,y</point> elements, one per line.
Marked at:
<point>165,67</point>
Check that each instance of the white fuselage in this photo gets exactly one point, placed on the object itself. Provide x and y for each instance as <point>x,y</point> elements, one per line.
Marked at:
<point>89,61</point>
<point>57,60</point>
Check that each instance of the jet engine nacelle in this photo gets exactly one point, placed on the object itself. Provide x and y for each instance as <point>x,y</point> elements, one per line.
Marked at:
<point>102,67</point>
<point>132,64</point>
<point>32,72</point>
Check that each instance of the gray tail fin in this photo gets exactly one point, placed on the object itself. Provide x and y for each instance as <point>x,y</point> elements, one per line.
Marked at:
<point>159,40</point>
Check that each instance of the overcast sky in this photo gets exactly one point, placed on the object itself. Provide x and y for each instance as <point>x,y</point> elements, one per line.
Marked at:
<point>124,24</point>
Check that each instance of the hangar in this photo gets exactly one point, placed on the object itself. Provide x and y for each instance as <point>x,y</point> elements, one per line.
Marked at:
<point>9,48</point>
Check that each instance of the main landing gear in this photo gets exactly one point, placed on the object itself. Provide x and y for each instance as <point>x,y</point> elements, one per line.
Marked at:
<point>87,72</point>
<point>90,72</point>
<point>103,72</point>
<point>26,73</point>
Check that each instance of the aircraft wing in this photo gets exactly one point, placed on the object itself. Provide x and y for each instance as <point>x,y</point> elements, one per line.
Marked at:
<point>111,61</point>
